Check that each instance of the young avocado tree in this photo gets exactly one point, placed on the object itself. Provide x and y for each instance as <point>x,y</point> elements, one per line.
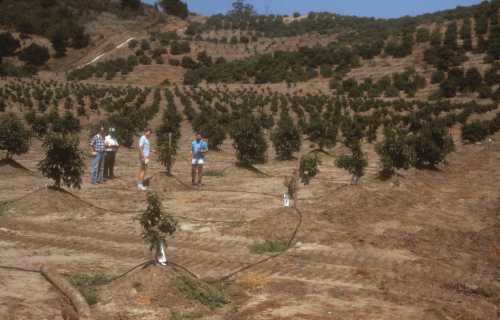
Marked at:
<point>432,144</point>
<point>63,160</point>
<point>396,151</point>
<point>249,140</point>
<point>308,168</point>
<point>14,137</point>
<point>156,225</point>
<point>356,162</point>
<point>286,137</point>
<point>168,135</point>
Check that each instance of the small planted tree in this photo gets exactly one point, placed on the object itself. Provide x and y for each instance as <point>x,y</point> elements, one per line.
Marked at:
<point>156,225</point>
<point>249,141</point>
<point>475,131</point>
<point>395,151</point>
<point>286,137</point>
<point>308,168</point>
<point>14,137</point>
<point>63,160</point>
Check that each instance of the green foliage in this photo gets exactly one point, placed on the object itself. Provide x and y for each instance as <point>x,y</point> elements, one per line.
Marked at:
<point>355,163</point>
<point>8,44</point>
<point>43,17</point>
<point>131,4</point>
<point>179,47</point>
<point>286,137</point>
<point>308,168</point>
<point>432,144</point>
<point>168,135</point>
<point>155,224</point>
<point>63,160</point>
<point>249,140</point>
<point>213,173</point>
<point>14,138</point>
<point>423,35</point>
<point>494,43</point>
<point>266,247</point>
<point>395,151</point>
<point>175,7</point>
<point>34,55</point>
<point>209,297</point>
<point>209,124</point>
<point>475,131</point>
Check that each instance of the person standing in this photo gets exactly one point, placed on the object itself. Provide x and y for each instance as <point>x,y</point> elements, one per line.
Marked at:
<point>198,150</point>
<point>98,147</point>
<point>111,149</point>
<point>144,153</point>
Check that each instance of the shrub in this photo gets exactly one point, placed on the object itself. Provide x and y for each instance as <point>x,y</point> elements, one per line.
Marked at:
<point>14,137</point>
<point>286,137</point>
<point>63,160</point>
<point>8,44</point>
<point>249,141</point>
<point>156,225</point>
<point>475,131</point>
<point>35,55</point>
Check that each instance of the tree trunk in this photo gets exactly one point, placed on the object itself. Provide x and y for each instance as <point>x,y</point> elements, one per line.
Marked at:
<point>77,300</point>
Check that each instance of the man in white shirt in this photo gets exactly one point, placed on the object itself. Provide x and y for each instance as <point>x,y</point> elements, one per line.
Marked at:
<point>111,148</point>
<point>144,154</point>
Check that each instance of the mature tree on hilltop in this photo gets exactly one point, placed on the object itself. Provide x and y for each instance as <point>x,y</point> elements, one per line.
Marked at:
<point>175,8</point>
<point>59,42</point>
<point>35,55</point>
<point>14,137</point>
<point>8,44</point>
<point>131,4</point>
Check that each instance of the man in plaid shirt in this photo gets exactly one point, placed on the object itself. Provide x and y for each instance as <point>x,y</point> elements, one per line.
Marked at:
<point>99,153</point>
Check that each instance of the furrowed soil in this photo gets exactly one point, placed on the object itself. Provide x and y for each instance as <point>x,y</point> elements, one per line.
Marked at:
<point>422,245</point>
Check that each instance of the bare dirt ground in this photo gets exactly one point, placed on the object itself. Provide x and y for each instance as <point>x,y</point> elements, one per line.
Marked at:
<point>423,245</point>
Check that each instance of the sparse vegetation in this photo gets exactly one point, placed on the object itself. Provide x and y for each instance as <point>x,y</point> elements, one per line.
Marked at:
<point>210,297</point>
<point>266,247</point>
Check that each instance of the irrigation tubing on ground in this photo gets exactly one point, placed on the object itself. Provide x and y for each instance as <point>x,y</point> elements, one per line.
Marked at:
<point>19,269</point>
<point>249,266</point>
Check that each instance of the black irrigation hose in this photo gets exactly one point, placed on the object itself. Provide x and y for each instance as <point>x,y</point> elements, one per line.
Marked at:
<point>262,261</point>
<point>19,269</point>
<point>175,265</point>
<point>144,265</point>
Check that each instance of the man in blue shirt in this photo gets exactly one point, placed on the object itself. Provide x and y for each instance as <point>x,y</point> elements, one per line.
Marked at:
<point>198,150</point>
<point>144,154</point>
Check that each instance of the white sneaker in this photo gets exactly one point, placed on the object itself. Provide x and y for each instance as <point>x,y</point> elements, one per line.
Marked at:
<point>141,187</point>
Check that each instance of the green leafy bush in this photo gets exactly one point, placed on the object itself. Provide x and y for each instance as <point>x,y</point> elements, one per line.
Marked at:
<point>14,137</point>
<point>63,160</point>
<point>155,224</point>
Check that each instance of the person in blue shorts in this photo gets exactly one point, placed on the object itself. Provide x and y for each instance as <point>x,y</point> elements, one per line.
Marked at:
<point>199,148</point>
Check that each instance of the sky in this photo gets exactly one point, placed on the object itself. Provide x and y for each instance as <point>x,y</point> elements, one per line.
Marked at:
<point>366,8</point>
